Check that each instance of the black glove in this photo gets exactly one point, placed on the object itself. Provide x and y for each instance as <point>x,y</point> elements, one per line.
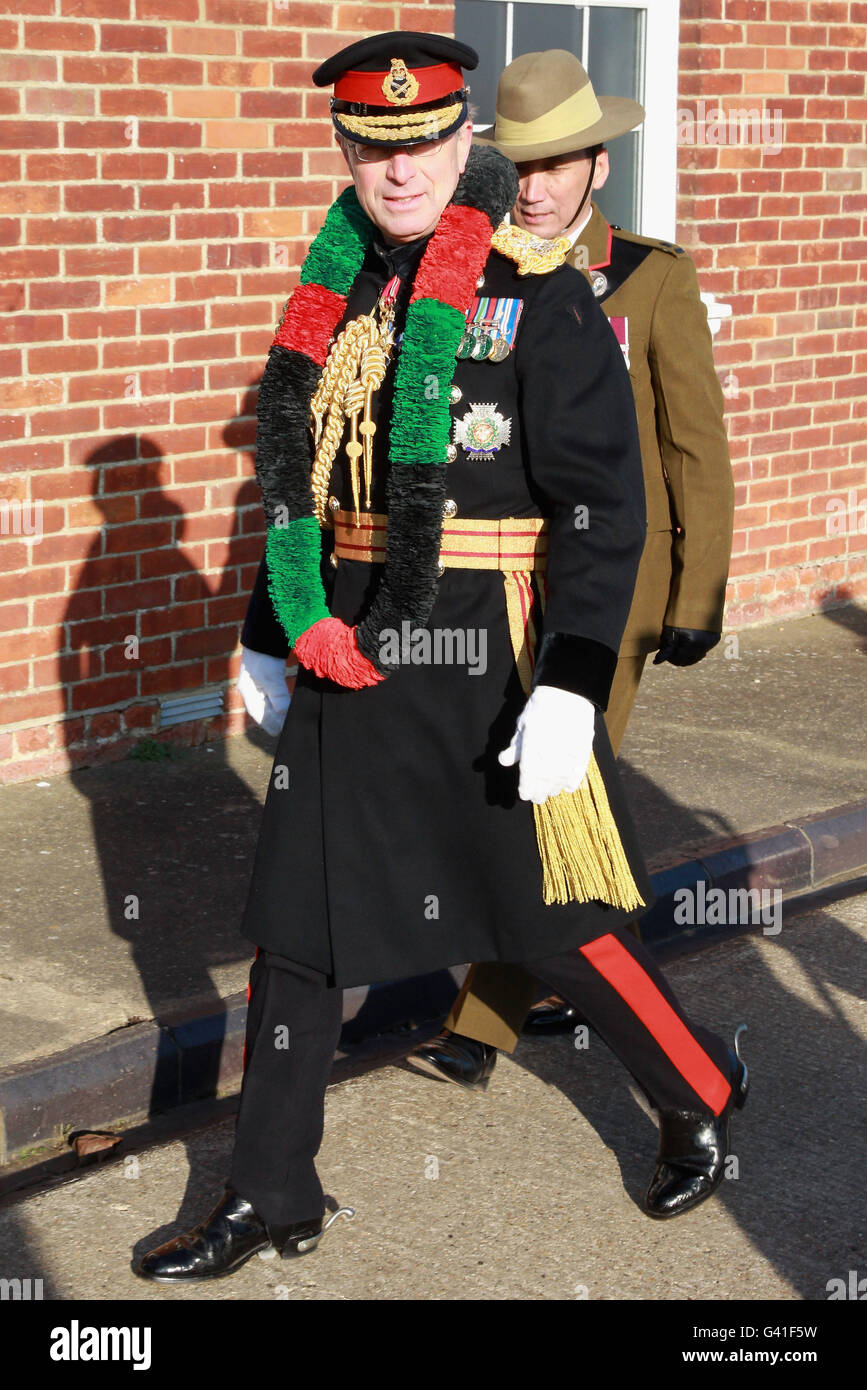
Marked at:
<point>684,646</point>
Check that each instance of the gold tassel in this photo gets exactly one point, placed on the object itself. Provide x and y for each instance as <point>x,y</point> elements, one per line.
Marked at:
<point>579,844</point>
<point>582,857</point>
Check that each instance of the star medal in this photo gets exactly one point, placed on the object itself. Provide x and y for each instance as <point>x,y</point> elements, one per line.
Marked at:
<point>483,431</point>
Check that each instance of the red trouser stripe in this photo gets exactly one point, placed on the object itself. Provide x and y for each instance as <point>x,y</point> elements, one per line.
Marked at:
<point>636,988</point>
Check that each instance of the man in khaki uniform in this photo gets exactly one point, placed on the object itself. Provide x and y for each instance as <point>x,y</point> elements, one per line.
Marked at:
<point>554,127</point>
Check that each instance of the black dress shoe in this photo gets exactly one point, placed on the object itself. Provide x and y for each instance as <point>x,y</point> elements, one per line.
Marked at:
<point>692,1152</point>
<point>230,1236</point>
<point>553,1015</point>
<point>454,1057</point>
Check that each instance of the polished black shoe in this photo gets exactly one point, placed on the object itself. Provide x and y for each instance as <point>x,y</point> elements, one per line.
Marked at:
<point>453,1057</point>
<point>553,1015</point>
<point>692,1151</point>
<point>230,1236</point>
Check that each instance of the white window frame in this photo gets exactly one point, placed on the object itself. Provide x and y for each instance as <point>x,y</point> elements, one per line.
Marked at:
<point>658,141</point>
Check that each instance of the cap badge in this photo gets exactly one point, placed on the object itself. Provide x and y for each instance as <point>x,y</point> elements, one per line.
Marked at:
<point>400,86</point>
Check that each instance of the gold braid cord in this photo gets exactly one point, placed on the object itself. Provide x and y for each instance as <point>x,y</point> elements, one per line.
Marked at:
<point>355,369</point>
<point>402,125</point>
<point>531,254</point>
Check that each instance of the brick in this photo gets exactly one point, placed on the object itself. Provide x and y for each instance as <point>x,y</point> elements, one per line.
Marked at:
<point>133,166</point>
<point>303,135</point>
<point>31,328</point>
<point>167,679</point>
<point>206,225</point>
<point>60,231</point>
<point>132,38</point>
<point>96,9</point>
<point>239,255</point>
<point>104,197</point>
<point>203,40</point>
<point>171,196</point>
<point>27,67</point>
<point>27,198</point>
<point>94,135</point>
<point>200,287</point>
<point>150,289</point>
<point>257,43</point>
<point>63,294</point>
<point>172,381</point>
<point>98,260</point>
<point>137,103</point>
<point>237,75</point>
<point>137,229</point>
<point>169,134</point>
<point>271,105</point>
<point>204,104</point>
<point>184,318</point>
<point>180,617</point>
<point>60,37</point>
<point>107,323</point>
<point>33,706</point>
<point>98,71</point>
<point>17,135</point>
<point>110,690</point>
<point>271,164</point>
<point>239,194</point>
<point>198,350</point>
<point>236,135</point>
<point>206,165</point>
<point>58,101</point>
<point>250,12</point>
<point>280,223</point>
<point>140,352</point>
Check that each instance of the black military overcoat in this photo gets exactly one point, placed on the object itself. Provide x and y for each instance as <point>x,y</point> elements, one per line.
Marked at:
<point>392,841</point>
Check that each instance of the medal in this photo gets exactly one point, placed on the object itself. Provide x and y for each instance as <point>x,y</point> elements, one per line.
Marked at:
<point>492,325</point>
<point>483,431</point>
<point>598,283</point>
<point>481,347</point>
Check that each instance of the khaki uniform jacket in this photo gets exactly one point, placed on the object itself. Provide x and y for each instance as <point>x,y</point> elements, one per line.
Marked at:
<point>653,286</point>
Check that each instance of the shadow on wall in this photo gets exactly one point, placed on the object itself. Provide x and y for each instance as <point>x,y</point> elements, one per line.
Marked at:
<point>174,849</point>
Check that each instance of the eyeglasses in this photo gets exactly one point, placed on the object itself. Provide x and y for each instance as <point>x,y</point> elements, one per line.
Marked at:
<point>380,154</point>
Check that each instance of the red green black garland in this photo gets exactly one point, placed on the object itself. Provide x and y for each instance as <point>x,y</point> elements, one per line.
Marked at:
<point>444,286</point>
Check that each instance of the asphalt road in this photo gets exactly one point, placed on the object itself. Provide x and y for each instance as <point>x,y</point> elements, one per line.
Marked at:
<point>532,1190</point>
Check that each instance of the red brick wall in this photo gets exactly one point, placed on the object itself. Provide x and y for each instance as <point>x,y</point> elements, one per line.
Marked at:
<point>779,235</point>
<point>163,165</point>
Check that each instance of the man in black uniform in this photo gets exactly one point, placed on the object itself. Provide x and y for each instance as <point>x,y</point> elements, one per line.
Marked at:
<point>457,481</point>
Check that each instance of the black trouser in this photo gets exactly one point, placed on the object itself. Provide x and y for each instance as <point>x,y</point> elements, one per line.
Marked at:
<point>293,1026</point>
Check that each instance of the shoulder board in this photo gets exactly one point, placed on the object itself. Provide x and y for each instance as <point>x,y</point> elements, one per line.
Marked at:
<point>649,241</point>
<point>531,254</point>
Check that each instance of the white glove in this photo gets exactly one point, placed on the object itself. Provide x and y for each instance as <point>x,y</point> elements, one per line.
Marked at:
<point>553,742</point>
<point>262,687</point>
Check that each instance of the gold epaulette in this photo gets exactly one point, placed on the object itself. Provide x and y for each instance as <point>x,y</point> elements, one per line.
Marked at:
<point>531,254</point>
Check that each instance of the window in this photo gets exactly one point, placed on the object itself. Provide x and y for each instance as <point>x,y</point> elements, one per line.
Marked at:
<point>629,48</point>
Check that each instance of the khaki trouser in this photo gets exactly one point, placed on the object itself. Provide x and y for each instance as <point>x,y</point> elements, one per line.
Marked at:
<point>495,999</point>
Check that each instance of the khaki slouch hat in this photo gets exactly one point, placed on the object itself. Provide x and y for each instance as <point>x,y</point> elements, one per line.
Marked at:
<point>546,106</point>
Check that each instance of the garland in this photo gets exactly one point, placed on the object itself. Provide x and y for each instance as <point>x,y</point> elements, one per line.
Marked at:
<point>444,286</point>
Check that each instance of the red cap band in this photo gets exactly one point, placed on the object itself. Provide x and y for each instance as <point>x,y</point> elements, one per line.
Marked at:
<point>433,82</point>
